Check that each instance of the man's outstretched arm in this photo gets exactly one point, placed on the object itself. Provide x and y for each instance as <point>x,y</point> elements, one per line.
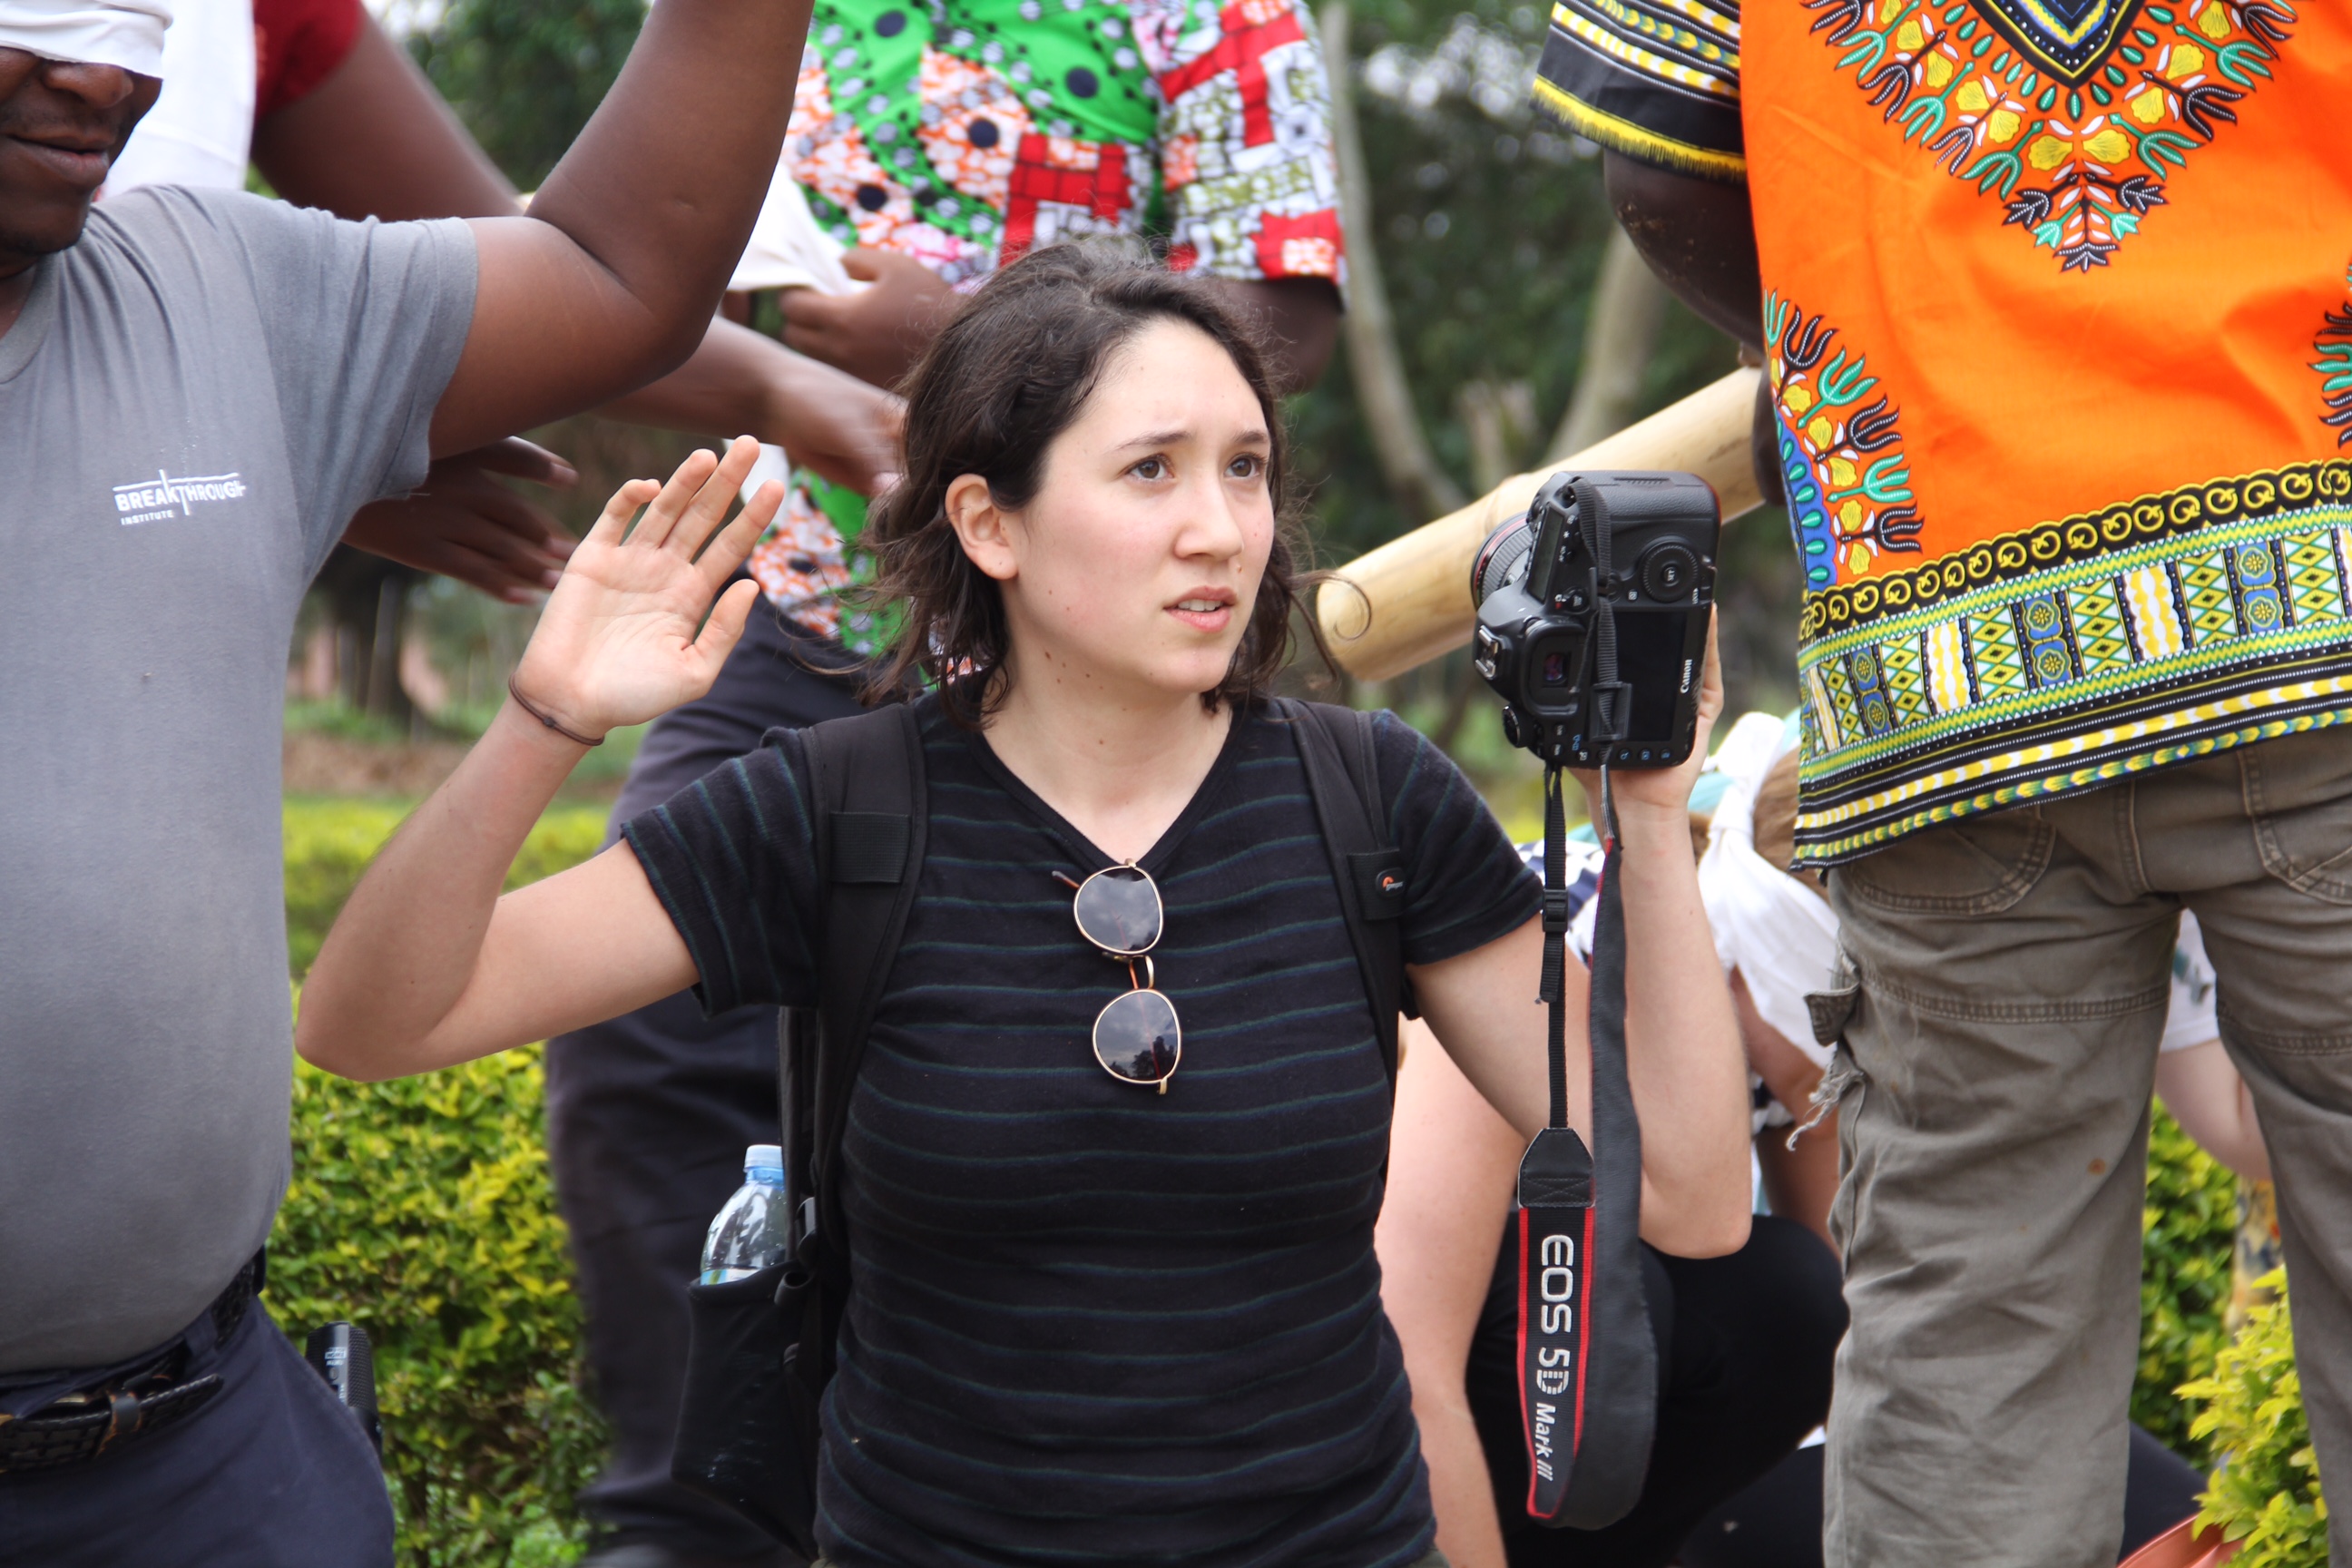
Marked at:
<point>611,280</point>
<point>374,140</point>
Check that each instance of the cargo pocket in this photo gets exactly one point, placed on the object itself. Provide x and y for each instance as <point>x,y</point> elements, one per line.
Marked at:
<point>2299,796</point>
<point>1845,1081</point>
<point>1978,865</point>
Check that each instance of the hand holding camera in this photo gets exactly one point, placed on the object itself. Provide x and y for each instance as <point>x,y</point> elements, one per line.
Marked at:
<point>1594,612</point>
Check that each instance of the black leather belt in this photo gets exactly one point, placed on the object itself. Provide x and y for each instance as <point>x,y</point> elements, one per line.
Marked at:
<point>81,1426</point>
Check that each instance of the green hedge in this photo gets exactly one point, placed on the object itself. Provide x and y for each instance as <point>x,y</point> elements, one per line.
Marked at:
<point>422,1210</point>
<point>2189,1222</point>
<point>2267,1493</point>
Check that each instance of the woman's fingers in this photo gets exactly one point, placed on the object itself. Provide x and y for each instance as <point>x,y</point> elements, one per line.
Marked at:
<point>733,544</point>
<point>707,513</point>
<point>662,518</point>
<point>612,523</point>
<point>724,629</point>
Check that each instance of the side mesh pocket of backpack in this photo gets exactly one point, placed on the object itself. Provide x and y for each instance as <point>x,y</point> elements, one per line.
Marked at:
<point>759,1348</point>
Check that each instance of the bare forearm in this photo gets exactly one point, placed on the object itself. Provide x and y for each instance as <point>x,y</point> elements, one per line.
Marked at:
<point>611,280</point>
<point>729,388</point>
<point>1683,1052</point>
<point>407,942</point>
<point>376,141</point>
<point>1461,1490</point>
<point>2202,1089</point>
<point>663,183</point>
<point>1801,1183</point>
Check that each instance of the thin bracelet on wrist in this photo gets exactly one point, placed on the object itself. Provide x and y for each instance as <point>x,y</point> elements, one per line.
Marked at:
<point>544,717</point>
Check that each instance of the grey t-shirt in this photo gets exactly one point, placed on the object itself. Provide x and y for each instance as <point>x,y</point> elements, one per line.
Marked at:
<point>193,403</point>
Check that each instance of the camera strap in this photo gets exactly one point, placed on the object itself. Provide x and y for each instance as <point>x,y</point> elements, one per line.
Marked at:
<point>1612,698</point>
<point>1587,1364</point>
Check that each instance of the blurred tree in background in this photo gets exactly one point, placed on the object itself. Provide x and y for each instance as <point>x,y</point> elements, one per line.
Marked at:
<point>525,75</point>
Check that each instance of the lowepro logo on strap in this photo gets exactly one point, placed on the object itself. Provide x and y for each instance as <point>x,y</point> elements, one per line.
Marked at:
<point>153,500</point>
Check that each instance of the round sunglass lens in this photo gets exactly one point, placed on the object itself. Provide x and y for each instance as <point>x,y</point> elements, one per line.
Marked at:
<point>1137,1037</point>
<point>1118,911</point>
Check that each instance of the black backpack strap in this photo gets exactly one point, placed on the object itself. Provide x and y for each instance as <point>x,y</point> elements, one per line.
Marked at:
<point>1335,744</point>
<point>870,817</point>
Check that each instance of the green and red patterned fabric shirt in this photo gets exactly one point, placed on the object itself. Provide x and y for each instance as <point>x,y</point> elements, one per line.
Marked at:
<point>966,133</point>
<point>2057,324</point>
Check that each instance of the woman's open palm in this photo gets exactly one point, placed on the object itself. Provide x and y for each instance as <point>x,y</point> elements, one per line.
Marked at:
<point>617,643</point>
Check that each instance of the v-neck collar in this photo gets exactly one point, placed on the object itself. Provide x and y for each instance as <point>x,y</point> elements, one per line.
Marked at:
<point>1083,851</point>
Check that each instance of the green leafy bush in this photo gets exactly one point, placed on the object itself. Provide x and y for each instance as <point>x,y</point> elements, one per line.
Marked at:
<point>2189,1220</point>
<point>422,1211</point>
<point>2265,1493</point>
<point>329,842</point>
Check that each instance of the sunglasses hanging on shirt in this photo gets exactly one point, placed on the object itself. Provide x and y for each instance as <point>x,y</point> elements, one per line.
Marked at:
<point>1136,1038</point>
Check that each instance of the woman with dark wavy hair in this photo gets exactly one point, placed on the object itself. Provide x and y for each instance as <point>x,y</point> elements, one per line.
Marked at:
<point>1109,1304</point>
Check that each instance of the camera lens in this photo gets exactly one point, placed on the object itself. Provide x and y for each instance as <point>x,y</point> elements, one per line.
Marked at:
<point>1503,559</point>
<point>1667,570</point>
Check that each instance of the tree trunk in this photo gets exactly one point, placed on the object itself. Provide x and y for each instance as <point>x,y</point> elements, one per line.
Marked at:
<point>1628,305</point>
<point>367,600</point>
<point>1406,461</point>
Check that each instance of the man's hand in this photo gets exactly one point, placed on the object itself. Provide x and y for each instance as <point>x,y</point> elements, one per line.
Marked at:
<point>878,333</point>
<point>833,423</point>
<point>618,641</point>
<point>463,523</point>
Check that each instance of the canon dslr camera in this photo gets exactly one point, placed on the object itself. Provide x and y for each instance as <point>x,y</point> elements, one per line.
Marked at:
<point>1593,613</point>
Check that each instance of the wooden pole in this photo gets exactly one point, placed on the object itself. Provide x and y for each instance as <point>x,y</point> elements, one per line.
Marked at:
<point>1408,601</point>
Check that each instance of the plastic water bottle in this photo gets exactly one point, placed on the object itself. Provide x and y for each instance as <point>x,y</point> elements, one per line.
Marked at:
<point>754,1230</point>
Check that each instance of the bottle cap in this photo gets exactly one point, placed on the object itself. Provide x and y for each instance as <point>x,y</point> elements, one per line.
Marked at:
<point>765,1159</point>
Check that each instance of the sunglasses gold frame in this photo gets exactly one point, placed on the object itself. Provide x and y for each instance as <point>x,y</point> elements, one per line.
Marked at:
<point>1146,984</point>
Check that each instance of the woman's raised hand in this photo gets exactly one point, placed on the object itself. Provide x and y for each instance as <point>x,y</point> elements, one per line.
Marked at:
<point>616,644</point>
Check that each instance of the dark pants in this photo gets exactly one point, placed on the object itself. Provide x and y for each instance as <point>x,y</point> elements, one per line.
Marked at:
<point>1777,1521</point>
<point>273,1473</point>
<point>648,1117</point>
<point>1745,1344</point>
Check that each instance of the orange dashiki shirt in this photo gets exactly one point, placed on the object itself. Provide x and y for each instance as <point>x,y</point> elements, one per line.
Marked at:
<point>2057,323</point>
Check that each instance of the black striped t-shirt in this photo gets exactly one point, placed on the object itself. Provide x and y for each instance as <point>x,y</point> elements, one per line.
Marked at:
<point>1089,1323</point>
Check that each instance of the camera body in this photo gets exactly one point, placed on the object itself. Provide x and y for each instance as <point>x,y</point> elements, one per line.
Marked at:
<point>1592,618</point>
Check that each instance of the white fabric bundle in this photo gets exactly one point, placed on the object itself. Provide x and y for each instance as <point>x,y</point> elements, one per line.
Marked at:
<point>200,131</point>
<point>1780,934</point>
<point>787,248</point>
<point>125,33</point>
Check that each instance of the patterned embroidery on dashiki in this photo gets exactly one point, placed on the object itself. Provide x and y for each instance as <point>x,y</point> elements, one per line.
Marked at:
<point>2167,627</point>
<point>2333,344</point>
<point>966,133</point>
<point>2070,111</point>
<point>1655,79</point>
<point>1841,457</point>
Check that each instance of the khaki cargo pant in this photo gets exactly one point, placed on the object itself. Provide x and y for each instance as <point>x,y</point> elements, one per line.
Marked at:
<point>2007,979</point>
